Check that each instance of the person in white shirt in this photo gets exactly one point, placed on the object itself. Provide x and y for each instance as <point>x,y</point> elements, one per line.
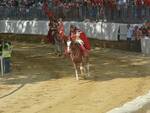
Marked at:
<point>129,32</point>
<point>129,35</point>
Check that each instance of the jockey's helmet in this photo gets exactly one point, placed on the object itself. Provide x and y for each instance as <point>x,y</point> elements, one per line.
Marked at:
<point>72,28</point>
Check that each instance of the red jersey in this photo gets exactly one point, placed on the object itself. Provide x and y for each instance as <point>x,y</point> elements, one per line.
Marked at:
<point>85,39</point>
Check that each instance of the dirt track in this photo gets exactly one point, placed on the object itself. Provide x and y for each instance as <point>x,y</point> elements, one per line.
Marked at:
<point>43,83</point>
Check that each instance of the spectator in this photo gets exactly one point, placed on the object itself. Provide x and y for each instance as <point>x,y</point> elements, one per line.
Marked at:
<point>15,3</point>
<point>138,36</point>
<point>112,9</point>
<point>100,5</point>
<point>138,4</point>
<point>129,35</point>
<point>6,53</point>
<point>121,9</point>
<point>93,10</point>
<point>81,9</point>
<point>84,9</point>
<point>147,28</point>
<point>147,7</point>
<point>88,9</point>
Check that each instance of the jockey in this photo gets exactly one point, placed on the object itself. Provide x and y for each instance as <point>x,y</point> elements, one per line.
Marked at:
<point>80,37</point>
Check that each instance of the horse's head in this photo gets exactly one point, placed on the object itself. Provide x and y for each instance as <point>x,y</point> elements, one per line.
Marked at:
<point>73,47</point>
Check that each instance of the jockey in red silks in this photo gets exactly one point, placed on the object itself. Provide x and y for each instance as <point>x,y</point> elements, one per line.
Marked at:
<point>80,37</point>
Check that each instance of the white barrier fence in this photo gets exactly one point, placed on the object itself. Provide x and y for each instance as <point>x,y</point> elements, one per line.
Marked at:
<point>99,30</point>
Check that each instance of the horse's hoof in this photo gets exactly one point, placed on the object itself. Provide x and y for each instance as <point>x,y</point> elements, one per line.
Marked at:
<point>55,54</point>
<point>84,77</point>
<point>77,78</point>
<point>59,55</point>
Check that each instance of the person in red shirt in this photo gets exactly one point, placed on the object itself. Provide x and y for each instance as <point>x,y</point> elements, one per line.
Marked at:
<point>112,9</point>
<point>139,4</point>
<point>100,4</point>
<point>46,9</point>
<point>147,8</point>
<point>51,18</point>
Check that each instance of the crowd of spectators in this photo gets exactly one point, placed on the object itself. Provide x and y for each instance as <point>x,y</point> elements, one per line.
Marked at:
<point>17,3</point>
<point>136,33</point>
<point>110,9</point>
<point>87,9</point>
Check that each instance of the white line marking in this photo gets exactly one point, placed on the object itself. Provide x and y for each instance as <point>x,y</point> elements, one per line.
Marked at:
<point>133,106</point>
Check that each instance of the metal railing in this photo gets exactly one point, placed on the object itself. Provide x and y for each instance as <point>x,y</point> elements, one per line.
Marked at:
<point>126,14</point>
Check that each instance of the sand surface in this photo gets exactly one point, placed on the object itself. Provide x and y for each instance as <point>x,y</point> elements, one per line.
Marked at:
<point>44,83</point>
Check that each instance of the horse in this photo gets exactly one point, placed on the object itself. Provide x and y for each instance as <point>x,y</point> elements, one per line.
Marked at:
<point>58,43</point>
<point>79,60</point>
<point>54,37</point>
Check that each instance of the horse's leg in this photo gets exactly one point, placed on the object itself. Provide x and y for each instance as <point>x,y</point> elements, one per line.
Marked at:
<point>75,67</point>
<point>87,66</point>
<point>82,68</point>
<point>85,71</point>
<point>76,71</point>
<point>59,45</point>
<point>55,46</point>
<point>62,47</point>
<point>88,69</point>
<point>59,48</point>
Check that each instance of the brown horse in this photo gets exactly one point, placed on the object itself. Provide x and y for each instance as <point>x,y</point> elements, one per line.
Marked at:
<point>80,61</point>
